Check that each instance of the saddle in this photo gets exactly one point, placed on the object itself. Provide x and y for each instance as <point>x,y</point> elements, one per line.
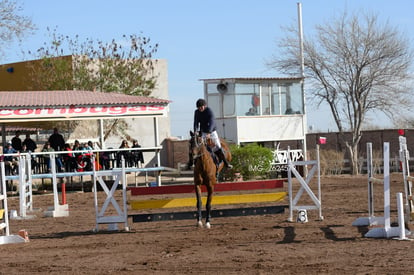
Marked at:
<point>214,156</point>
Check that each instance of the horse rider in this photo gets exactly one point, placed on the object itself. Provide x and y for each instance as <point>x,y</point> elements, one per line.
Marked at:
<point>205,122</point>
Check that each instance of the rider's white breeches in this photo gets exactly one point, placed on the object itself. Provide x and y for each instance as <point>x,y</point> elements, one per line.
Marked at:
<point>215,138</point>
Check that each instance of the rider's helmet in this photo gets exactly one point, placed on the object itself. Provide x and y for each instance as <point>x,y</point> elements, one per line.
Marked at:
<point>201,102</point>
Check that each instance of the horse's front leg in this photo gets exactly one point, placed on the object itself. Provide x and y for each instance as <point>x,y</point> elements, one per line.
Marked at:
<point>199,205</point>
<point>208,205</point>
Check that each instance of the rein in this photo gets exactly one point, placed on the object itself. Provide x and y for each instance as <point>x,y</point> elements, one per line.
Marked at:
<point>203,142</point>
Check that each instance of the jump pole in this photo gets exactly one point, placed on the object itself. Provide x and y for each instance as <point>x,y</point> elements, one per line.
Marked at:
<point>63,187</point>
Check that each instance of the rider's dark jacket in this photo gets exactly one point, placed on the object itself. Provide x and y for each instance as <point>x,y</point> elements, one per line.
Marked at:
<point>205,119</point>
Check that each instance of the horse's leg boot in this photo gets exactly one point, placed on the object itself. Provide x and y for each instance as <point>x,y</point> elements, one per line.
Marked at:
<point>221,156</point>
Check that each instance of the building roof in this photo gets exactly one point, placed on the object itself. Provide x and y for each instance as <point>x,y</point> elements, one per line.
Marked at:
<point>12,99</point>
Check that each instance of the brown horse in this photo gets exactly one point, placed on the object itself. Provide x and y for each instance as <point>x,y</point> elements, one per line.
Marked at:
<point>205,172</point>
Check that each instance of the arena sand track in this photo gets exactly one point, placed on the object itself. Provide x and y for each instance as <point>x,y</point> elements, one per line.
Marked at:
<point>265,244</point>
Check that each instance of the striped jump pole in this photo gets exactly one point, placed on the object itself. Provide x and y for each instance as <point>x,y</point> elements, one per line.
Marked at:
<point>241,199</point>
<point>218,200</point>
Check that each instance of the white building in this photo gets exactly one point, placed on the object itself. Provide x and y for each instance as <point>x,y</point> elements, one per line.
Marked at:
<point>263,110</point>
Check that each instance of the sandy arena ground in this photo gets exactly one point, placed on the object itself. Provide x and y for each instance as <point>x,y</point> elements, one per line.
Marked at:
<point>265,244</point>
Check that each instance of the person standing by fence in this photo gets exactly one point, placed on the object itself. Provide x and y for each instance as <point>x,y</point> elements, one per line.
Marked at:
<point>137,155</point>
<point>30,143</point>
<point>57,142</point>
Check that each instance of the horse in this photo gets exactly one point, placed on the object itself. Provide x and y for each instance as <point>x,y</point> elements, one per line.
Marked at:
<point>205,172</point>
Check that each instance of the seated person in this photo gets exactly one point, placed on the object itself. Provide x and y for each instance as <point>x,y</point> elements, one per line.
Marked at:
<point>47,148</point>
<point>33,161</point>
<point>251,112</point>
<point>11,162</point>
<point>289,111</point>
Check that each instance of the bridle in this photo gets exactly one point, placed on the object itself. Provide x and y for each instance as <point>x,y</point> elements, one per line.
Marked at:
<point>198,144</point>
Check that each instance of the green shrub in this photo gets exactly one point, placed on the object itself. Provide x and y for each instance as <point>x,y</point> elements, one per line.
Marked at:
<point>251,160</point>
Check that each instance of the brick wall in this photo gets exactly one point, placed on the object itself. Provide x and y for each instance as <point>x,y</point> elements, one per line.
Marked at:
<point>177,150</point>
<point>376,137</point>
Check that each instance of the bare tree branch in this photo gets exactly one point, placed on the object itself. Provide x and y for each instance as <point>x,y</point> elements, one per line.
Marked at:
<point>13,25</point>
<point>357,66</point>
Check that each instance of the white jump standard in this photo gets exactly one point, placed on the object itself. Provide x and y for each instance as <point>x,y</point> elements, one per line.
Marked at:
<point>6,238</point>
<point>379,232</point>
<point>305,186</point>
<point>408,180</point>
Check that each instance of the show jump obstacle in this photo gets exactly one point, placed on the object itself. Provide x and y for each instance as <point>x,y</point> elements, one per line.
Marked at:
<point>408,179</point>
<point>169,204</point>
<point>121,215</point>
<point>314,169</point>
<point>6,238</point>
<point>386,231</point>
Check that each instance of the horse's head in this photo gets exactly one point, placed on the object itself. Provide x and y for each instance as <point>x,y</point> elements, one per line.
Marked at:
<point>195,144</point>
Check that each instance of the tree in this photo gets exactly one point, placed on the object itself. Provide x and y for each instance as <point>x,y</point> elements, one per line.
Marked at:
<point>124,66</point>
<point>357,66</point>
<point>12,24</point>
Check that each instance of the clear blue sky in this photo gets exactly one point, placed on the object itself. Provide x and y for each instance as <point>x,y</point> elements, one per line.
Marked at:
<point>202,39</point>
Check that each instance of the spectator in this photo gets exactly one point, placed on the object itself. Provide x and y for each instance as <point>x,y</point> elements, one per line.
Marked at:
<point>289,111</point>
<point>48,148</point>
<point>77,147</point>
<point>136,156</point>
<point>90,144</point>
<point>104,160</point>
<point>10,162</point>
<point>123,153</point>
<point>30,143</point>
<point>69,159</point>
<point>87,156</point>
<point>17,142</point>
<point>57,142</point>
<point>34,163</point>
<point>251,112</point>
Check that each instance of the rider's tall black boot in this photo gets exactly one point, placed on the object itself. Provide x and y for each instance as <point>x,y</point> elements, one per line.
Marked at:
<point>221,156</point>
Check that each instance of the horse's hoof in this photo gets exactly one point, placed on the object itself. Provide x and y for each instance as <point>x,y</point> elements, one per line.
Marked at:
<point>200,224</point>
<point>208,226</point>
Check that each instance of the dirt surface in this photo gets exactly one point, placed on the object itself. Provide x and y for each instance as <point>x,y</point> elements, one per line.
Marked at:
<point>265,244</point>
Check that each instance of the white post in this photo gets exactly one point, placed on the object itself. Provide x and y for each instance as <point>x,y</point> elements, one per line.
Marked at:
<point>22,186</point>
<point>401,222</point>
<point>387,203</point>
<point>157,153</point>
<point>319,180</point>
<point>101,133</point>
<point>290,218</point>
